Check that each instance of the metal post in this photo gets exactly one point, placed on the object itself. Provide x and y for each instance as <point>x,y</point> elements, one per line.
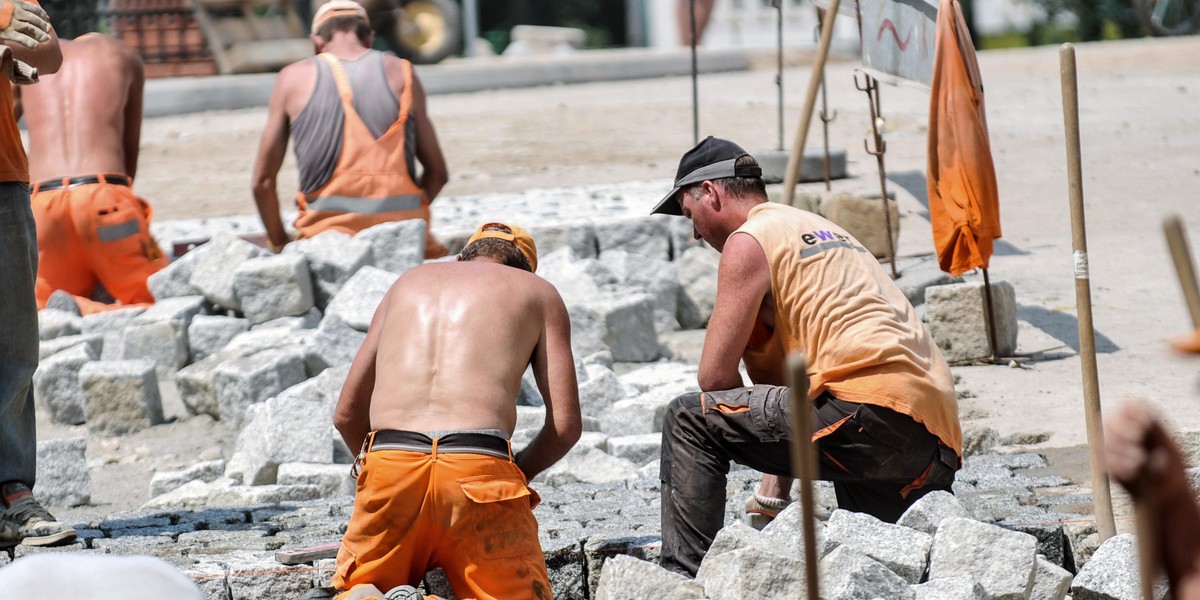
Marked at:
<point>1101,496</point>
<point>695,77</point>
<point>470,26</point>
<point>779,64</point>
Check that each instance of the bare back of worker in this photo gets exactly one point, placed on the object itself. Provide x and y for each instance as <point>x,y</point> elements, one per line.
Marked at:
<point>455,341</point>
<point>87,117</point>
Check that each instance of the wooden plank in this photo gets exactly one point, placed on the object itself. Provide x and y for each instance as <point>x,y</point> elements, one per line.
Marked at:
<point>305,555</point>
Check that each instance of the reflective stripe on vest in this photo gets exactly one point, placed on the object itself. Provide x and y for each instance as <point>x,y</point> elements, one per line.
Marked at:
<point>120,231</point>
<point>366,206</point>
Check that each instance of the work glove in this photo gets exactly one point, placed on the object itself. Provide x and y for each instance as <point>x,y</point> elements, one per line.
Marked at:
<point>23,23</point>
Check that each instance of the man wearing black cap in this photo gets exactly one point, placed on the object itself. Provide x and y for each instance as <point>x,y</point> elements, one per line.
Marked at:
<point>884,412</point>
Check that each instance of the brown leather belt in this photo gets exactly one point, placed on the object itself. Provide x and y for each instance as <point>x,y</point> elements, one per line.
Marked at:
<point>70,182</point>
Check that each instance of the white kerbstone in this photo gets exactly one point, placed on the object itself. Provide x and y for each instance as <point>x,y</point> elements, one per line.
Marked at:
<point>333,257</point>
<point>215,263</point>
<point>958,319</point>
<point>696,270</point>
<point>1003,561</point>
<point>62,473</point>
<point>208,334</point>
<point>165,481</point>
<point>396,246</point>
<point>53,323</point>
<point>902,550</point>
<point>356,302</point>
<point>56,385</point>
<point>253,379</point>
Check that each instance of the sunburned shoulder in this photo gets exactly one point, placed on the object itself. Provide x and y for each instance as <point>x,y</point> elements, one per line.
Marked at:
<point>482,270</point>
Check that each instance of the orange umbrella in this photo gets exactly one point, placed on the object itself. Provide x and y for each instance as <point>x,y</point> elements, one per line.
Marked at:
<point>963,202</point>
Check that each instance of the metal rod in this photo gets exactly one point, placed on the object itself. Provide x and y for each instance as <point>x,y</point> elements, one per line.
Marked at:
<point>1101,496</point>
<point>470,26</point>
<point>1181,255</point>
<point>695,77</point>
<point>779,64</point>
<point>814,83</point>
<point>991,316</point>
<point>804,465</point>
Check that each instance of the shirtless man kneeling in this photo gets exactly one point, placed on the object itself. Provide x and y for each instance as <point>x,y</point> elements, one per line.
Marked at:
<point>430,399</point>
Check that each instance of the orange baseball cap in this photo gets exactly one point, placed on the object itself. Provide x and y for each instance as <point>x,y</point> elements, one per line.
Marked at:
<point>338,8</point>
<point>511,234</point>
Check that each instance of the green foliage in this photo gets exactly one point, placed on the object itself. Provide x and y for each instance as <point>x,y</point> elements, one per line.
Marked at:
<point>603,21</point>
<point>1095,20</point>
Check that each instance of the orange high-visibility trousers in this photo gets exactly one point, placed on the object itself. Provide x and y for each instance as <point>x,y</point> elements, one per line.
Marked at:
<point>92,234</point>
<point>470,514</point>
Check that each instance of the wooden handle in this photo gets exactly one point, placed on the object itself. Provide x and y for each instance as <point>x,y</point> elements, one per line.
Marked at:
<point>1182,257</point>
<point>814,83</point>
<point>804,465</point>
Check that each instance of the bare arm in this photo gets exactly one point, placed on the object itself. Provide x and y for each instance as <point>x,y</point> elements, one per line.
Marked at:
<point>271,150</point>
<point>31,37</point>
<point>1141,456</point>
<point>434,173</point>
<point>554,369</point>
<point>133,112</point>
<point>743,281</point>
<point>352,416</point>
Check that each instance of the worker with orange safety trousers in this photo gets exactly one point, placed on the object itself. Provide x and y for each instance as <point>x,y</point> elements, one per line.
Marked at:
<point>360,125</point>
<point>430,400</point>
<point>85,124</point>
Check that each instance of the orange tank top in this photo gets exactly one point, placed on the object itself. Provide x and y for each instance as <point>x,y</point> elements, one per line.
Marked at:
<point>860,335</point>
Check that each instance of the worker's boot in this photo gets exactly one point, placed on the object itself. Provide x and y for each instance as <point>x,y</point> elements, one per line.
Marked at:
<point>761,510</point>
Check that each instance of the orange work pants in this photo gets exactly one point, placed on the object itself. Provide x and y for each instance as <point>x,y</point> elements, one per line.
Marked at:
<point>94,233</point>
<point>470,514</point>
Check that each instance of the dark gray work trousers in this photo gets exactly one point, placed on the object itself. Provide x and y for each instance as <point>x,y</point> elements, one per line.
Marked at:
<point>880,461</point>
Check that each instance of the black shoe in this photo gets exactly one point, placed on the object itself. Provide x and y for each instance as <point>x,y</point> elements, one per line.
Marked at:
<point>26,522</point>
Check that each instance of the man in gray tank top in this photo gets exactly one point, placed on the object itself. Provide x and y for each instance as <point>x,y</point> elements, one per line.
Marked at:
<point>360,127</point>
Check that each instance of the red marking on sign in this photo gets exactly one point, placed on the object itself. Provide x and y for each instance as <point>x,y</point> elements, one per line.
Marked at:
<point>889,26</point>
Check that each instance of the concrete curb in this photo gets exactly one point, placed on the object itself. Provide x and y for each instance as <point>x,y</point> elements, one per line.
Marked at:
<point>226,92</point>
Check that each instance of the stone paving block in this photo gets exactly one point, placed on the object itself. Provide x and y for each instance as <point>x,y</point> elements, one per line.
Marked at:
<point>1048,529</point>
<point>225,492</point>
<point>637,449</point>
<point>848,574</point>
<point>647,236</point>
<point>396,246</point>
<point>122,396</point>
<point>682,235</point>
<point>162,342</point>
<point>1113,572</point>
<point>634,416</point>
<point>56,385</point>
<point>588,465</point>
<point>215,543</point>
<point>600,390</point>
<point>918,274</point>
<point>625,323</point>
<point>785,531</point>
<point>111,324</point>
<point>656,277</point>
<point>927,513</point>
<point>252,379</point>
<point>174,280</point>
<point>1050,581</point>
<point>580,237</point>
<point>957,318</point>
<point>333,344</point>
<point>273,287</point>
<point>1003,561</point>
<point>576,279</point>
<point>256,575</point>
<point>62,472</point>
<point>194,383</point>
<point>215,264</point>
<point>598,549</point>
<point>862,217</point>
<point>208,334</point>
<point>48,348</point>
<point>164,481</point>
<point>962,587</point>
<point>309,320</point>
<point>53,323</point>
<point>356,301</point>
<point>184,308</point>
<point>743,564</point>
<point>697,276</point>
<point>902,550</point>
<point>332,480</point>
<point>210,576</point>
<point>333,257</point>
<point>628,578</point>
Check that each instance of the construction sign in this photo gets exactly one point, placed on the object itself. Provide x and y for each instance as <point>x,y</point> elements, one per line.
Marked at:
<point>897,38</point>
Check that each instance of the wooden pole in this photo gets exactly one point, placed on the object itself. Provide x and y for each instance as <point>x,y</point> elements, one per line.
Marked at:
<point>991,317</point>
<point>804,464</point>
<point>1146,525</point>
<point>1101,495</point>
<point>814,83</point>
<point>1182,257</point>
<point>695,76</point>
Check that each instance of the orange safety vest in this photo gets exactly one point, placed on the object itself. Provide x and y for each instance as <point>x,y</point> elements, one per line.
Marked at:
<point>371,183</point>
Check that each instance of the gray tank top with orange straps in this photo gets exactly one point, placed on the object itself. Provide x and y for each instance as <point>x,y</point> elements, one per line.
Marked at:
<point>317,131</point>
